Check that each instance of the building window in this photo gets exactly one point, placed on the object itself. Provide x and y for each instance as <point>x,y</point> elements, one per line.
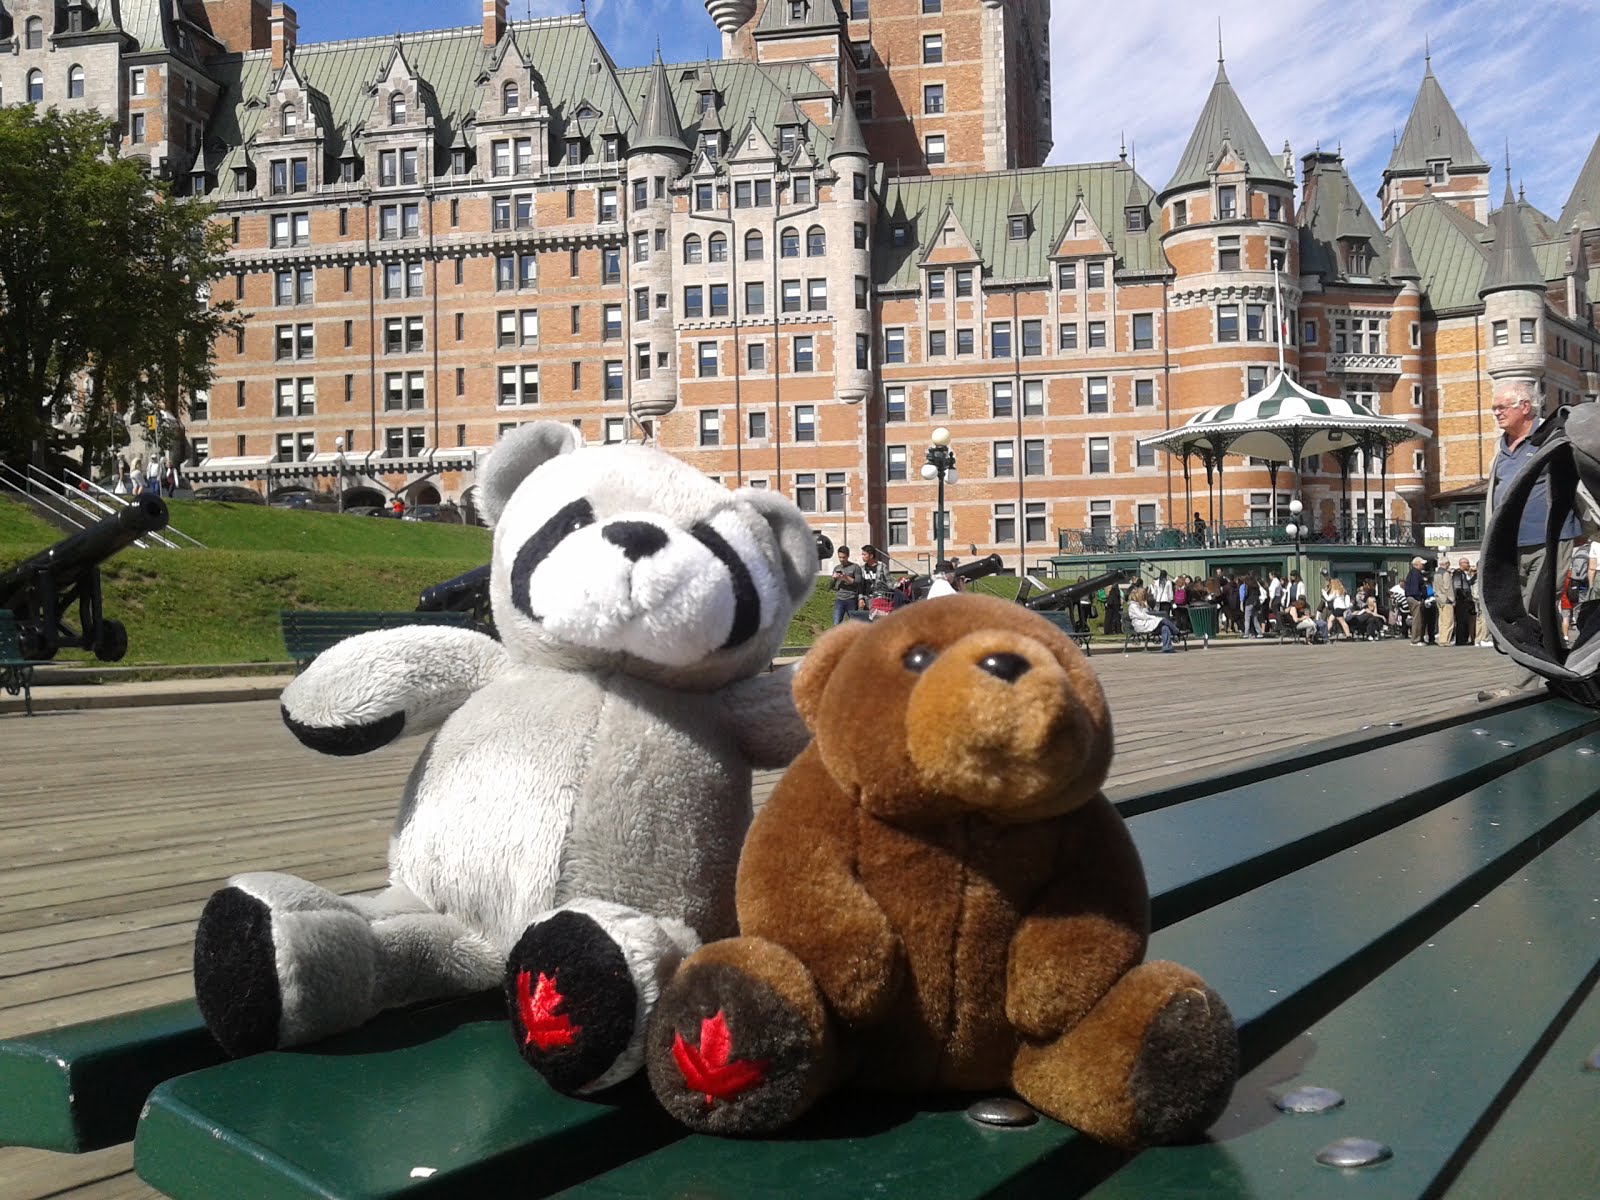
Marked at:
<point>1227,203</point>
<point>963,282</point>
<point>1067,336</point>
<point>75,83</point>
<point>789,243</point>
<point>694,301</point>
<point>1000,339</point>
<point>1228,258</point>
<point>1144,331</point>
<point>1180,213</point>
<point>895,460</point>
<point>36,95</point>
<point>805,423</point>
<point>706,360</point>
<point>1144,393</point>
<point>705,197</point>
<point>1099,394</point>
<point>1095,273</point>
<point>756,424</point>
<point>1033,397</point>
<point>939,402</point>
<point>755,298</point>
<point>1097,335</point>
<point>519,384</point>
<point>833,492</point>
<point>816,295</point>
<point>1067,276</point>
<point>933,98</point>
<point>862,101</point>
<point>863,352</point>
<point>1032,339</point>
<point>611,379</point>
<point>894,345</point>
<point>964,342</point>
<point>611,322</point>
<point>1135,219</point>
<point>717,248</point>
<point>816,242</point>
<point>1255,322</point>
<point>33,35</point>
<point>1308,333</point>
<point>755,246</point>
<point>1100,457</point>
<point>804,354</point>
<point>1227,322</point>
<point>894,405</point>
<point>933,148</point>
<point>1034,518</point>
<point>135,76</point>
<point>1255,379</point>
<point>1529,330</point>
<point>756,356</point>
<point>710,427</point>
<point>1001,398</point>
<point>805,492</point>
<point>936,343</point>
<point>932,48</point>
<point>1499,333</point>
<point>1144,456</point>
<point>899,526</point>
<point>397,108</point>
<point>1003,460</point>
<point>1033,456</point>
<point>403,390</point>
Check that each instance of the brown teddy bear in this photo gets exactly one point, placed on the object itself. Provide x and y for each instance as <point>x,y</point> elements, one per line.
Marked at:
<point>938,897</point>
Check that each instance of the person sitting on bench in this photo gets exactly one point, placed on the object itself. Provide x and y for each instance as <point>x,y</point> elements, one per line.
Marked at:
<point>1143,621</point>
<point>1306,626</point>
<point>1366,621</point>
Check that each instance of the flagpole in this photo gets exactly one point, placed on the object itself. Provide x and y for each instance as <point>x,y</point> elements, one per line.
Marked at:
<point>1283,319</point>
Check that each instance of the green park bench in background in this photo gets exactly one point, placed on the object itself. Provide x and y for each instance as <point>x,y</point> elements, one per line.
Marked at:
<point>1065,623</point>
<point>1406,917</point>
<point>308,632</point>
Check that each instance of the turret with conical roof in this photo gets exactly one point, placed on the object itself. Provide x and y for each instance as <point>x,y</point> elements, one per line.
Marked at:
<point>1434,157</point>
<point>1582,210</point>
<point>1513,295</point>
<point>657,155</point>
<point>1224,128</point>
<point>846,135</point>
<point>1402,265</point>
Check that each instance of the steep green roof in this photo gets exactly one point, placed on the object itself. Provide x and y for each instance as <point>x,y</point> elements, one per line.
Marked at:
<point>745,88</point>
<point>1433,131</point>
<point>819,15</point>
<point>1402,264</point>
<point>846,134</point>
<point>1450,254</point>
<point>659,127</point>
<point>1583,205</point>
<point>982,204</point>
<point>1223,119</point>
<point>1511,260</point>
<point>1333,211</point>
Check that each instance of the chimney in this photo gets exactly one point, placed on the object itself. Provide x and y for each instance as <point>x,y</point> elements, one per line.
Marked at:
<point>494,21</point>
<point>284,27</point>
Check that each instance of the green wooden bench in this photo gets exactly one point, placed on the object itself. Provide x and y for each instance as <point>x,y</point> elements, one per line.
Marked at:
<point>308,632</point>
<point>1065,623</point>
<point>16,672</point>
<point>1406,916</point>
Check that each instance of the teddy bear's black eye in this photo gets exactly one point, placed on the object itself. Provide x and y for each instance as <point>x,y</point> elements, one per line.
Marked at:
<point>919,658</point>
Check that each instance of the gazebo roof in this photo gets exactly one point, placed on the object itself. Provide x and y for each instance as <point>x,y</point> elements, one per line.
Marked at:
<point>1284,422</point>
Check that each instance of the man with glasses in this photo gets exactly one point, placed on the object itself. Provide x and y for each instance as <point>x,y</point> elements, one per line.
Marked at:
<point>1515,409</point>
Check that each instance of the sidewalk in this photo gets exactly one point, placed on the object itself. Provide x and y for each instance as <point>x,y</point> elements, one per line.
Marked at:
<point>49,697</point>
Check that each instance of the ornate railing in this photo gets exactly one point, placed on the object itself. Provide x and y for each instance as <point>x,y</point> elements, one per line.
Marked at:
<point>1364,364</point>
<point>1143,539</point>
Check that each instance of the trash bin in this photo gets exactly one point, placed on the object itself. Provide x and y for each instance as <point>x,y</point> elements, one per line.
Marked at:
<point>1203,621</point>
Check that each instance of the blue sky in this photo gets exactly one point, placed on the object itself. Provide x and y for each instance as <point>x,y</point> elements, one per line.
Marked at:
<point>1342,75</point>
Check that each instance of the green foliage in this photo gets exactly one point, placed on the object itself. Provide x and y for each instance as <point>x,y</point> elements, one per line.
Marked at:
<point>102,279</point>
<point>256,527</point>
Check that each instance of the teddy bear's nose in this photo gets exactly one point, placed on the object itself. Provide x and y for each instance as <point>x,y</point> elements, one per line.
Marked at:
<point>638,539</point>
<point>1009,667</point>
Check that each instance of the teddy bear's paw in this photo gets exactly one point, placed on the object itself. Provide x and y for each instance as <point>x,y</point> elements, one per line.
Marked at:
<point>571,999</point>
<point>729,1053</point>
<point>236,973</point>
<point>1185,1070</point>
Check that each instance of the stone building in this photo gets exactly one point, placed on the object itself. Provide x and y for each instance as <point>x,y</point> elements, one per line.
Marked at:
<point>791,264</point>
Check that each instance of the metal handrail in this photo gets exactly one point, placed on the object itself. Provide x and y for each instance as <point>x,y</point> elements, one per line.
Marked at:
<point>1140,539</point>
<point>95,489</point>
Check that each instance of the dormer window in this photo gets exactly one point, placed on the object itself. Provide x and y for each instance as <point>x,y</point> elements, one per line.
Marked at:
<point>574,151</point>
<point>708,101</point>
<point>288,121</point>
<point>397,108</point>
<point>458,161</point>
<point>788,138</point>
<point>709,146</point>
<point>33,34</point>
<point>899,234</point>
<point>509,98</point>
<point>611,147</point>
<point>1018,229</point>
<point>1227,203</point>
<point>1180,213</point>
<point>797,10</point>
<point>1134,218</point>
<point>1436,170</point>
<point>241,179</point>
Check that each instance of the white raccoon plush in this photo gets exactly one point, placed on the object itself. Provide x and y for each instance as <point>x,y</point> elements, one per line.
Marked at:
<point>572,829</point>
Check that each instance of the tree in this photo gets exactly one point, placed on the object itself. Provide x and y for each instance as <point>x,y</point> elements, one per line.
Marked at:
<point>104,281</point>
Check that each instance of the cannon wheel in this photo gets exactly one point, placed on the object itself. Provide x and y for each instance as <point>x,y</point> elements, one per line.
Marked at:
<point>111,642</point>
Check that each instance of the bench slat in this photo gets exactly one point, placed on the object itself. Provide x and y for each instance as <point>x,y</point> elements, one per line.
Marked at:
<point>440,1089</point>
<point>1422,1055</point>
<point>80,1088</point>
<point>308,632</point>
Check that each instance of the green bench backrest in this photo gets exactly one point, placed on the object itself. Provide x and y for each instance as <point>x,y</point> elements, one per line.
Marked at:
<point>307,633</point>
<point>10,643</point>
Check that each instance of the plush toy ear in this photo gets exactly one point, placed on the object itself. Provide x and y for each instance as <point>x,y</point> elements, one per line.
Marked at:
<point>797,545</point>
<point>816,668</point>
<point>518,455</point>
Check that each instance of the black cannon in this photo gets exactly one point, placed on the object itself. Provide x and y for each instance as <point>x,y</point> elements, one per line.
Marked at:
<point>1065,599</point>
<point>468,593</point>
<point>916,586</point>
<point>41,590</point>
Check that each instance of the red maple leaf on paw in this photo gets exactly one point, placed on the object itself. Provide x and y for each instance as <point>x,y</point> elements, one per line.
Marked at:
<point>708,1069</point>
<point>542,1025</point>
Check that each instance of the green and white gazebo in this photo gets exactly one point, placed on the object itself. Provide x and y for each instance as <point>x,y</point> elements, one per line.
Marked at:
<point>1284,423</point>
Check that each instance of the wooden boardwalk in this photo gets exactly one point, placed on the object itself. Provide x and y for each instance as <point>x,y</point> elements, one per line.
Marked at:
<point>115,825</point>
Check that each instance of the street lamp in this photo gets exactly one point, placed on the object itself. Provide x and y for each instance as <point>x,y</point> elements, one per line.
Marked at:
<point>340,463</point>
<point>1293,529</point>
<point>940,464</point>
